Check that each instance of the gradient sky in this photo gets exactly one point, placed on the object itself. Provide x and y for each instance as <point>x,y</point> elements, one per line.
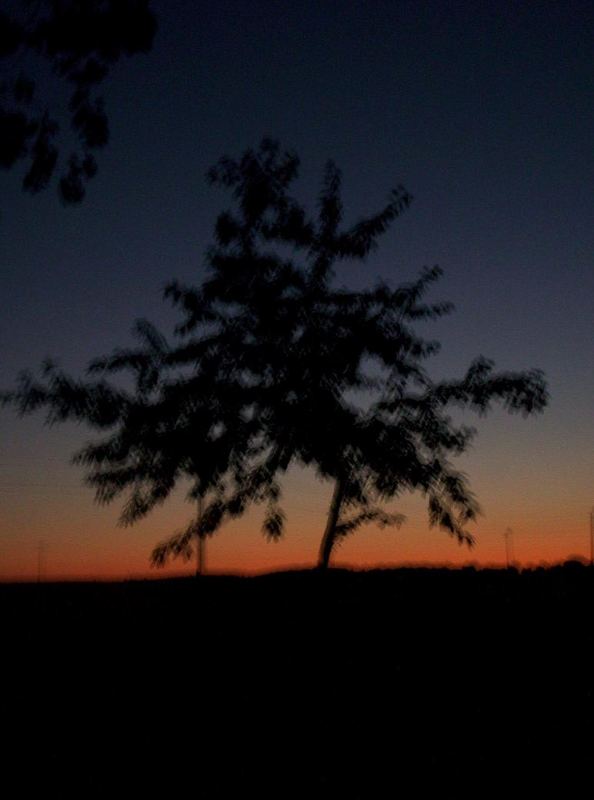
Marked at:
<point>485,112</point>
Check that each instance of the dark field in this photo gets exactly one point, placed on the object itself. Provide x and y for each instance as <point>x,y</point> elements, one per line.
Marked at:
<point>374,684</point>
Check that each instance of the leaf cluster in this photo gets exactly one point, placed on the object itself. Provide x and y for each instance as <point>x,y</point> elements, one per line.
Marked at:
<point>80,40</point>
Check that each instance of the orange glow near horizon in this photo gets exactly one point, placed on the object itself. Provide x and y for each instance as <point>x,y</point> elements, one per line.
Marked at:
<point>547,509</point>
<point>92,547</point>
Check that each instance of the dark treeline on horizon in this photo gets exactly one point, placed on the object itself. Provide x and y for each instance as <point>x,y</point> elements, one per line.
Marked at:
<point>572,563</point>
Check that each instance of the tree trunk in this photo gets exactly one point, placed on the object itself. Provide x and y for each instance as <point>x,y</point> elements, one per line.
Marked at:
<point>200,556</point>
<point>329,537</point>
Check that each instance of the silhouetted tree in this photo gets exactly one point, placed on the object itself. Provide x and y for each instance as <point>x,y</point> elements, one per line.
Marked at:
<point>80,41</point>
<point>274,365</point>
<point>307,346</point>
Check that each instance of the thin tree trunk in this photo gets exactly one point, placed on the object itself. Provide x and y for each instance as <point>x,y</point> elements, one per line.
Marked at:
<point>329,537</point>
<point>200,545</point>
<point>200,557</point>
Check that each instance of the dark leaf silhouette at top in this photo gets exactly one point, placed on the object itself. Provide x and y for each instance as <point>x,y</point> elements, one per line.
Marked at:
<point>273,364</point>
<point>80,41</point>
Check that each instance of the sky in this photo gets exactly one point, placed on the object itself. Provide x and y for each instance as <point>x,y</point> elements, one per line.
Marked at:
<point>484,112</point>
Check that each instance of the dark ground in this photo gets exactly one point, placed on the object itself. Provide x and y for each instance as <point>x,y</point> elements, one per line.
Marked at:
<point>399,683</point>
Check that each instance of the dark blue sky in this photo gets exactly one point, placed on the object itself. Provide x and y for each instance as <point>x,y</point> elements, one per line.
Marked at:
<point>485,112</point>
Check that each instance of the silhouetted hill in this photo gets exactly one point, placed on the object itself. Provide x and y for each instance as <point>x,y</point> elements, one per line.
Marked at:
<point>346,684</point>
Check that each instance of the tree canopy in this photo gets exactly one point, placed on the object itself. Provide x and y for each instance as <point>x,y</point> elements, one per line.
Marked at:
<point>79,41</point>
<point>272,364</point>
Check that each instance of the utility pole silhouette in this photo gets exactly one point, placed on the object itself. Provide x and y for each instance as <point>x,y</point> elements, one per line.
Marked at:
<point>40,561</point>
<point>592,537</point>
<point>509,547</point>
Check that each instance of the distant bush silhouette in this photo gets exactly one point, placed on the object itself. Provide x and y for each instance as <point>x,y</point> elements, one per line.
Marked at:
<point>273,365</point>
<point>80,40</point>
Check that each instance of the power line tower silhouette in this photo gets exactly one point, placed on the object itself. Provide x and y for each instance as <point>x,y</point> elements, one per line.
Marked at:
<point>41,552</point>
<point>509,547</point>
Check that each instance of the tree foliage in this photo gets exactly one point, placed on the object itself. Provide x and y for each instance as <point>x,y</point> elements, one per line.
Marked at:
<point>273,364</point>
<point>80,41</point>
